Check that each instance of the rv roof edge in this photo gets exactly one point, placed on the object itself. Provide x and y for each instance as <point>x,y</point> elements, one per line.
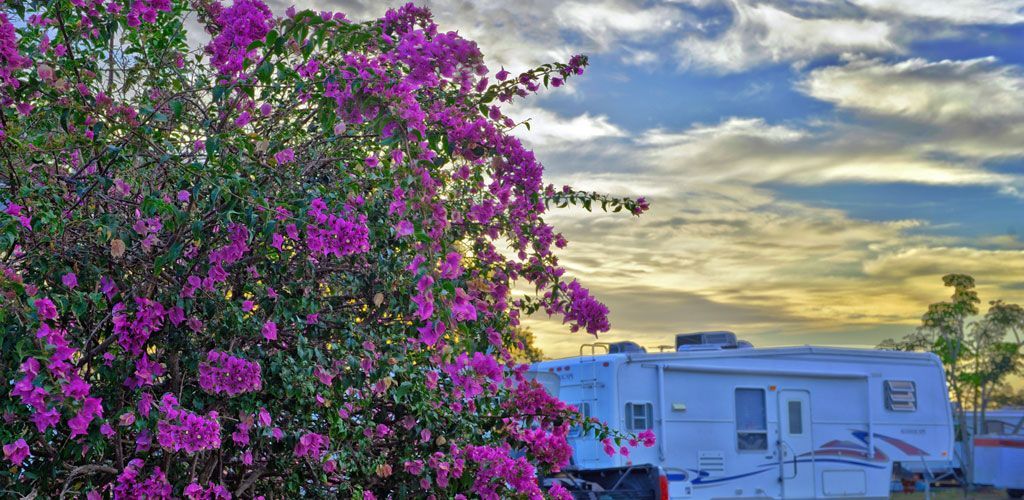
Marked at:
<point>928,357</point>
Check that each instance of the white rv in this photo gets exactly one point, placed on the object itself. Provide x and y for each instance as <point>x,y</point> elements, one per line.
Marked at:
<point>738,422</point>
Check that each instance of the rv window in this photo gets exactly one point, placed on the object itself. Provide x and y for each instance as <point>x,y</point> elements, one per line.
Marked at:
<point>900,395</point>
<point>639,416</point>
<point>751,420</point>
<point>577,431</point>
<point>995,427</point>
<point>796,417</point>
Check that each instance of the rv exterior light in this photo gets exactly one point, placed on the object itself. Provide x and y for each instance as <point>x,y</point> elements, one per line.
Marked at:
<point>771,387</point>
<point>678,406</point>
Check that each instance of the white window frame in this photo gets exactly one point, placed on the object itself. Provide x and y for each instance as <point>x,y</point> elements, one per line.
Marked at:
<point>735,413</point>
<point>630,415</point>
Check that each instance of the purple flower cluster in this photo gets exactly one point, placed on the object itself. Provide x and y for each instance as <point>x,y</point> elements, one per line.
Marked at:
<point>148,229</point>
<point>584,311</point>
<point>45,309</point>
<point>498,474</point>
<point>548,447</point>
<point>180,429</point>
<point>11,59</point>
<point>146,371</point>
<point>15,210</point>
<point>91,409</point>
<point>646,437</point>
<point>211,492</point>
<point>311,445</point>
<point>443,54</point>
<point>133,332</point>
<point>236,248</point>
<point>330,234</point>
<point>224,373</point>
<point>146,10</point>
<point>286,155</point>
<point>16,452</point>
<point>64,375</point>
<point>241,24</point>
<point>486,365</point>
<point>130,484</point>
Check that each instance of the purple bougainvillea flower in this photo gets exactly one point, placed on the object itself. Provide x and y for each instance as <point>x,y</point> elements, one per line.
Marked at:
<point>16,452</point>
<point>242,23</point>
<point>69,280</point>
<point>647,438</point>
<point>311,445</point>
<point>243,119</point>
<point>46,309</point>
<point>46,419</point>
<point>404,228</point>
<point>269,330</point>
<point>224,373</point>
<point>430,333</point>
<point>286,155</point>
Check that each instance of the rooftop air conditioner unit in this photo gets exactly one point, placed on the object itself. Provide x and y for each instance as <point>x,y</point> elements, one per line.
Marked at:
<point>723,339</point>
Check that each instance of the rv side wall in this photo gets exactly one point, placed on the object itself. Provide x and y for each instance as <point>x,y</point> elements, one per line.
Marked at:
<point>786,422</point>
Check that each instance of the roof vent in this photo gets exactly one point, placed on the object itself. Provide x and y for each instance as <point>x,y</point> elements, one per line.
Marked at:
<point>623,347</point>
<point>723,339</point>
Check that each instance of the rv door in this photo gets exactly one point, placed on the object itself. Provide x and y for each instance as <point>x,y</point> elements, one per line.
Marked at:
<point>796,445</point>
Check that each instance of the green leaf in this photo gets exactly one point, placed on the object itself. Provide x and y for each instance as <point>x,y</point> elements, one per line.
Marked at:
<point>176,108</point>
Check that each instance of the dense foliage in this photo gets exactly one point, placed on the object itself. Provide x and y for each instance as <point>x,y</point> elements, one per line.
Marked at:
<point>289,261</point>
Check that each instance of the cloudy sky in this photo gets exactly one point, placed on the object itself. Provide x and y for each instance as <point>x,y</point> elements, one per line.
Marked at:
<point>814,166</point>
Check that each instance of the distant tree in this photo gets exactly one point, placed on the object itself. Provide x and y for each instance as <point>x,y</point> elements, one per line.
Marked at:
<point>1006,397</point>
<point>524,348</point>
<point>977,353</point>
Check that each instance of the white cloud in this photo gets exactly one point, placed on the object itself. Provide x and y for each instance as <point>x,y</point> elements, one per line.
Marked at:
<point>763,33</point>
<point>606,21</point>
<point>972,109</point>
<point>754,152</point>
<point>635,57</point>
<point>734,127</point>
<point>940,92</point>
<point>550,130</point>
<point>525,33</point>
<point>952,11</point>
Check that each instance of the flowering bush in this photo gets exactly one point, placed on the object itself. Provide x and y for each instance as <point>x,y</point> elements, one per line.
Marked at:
<point>280,264</point>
